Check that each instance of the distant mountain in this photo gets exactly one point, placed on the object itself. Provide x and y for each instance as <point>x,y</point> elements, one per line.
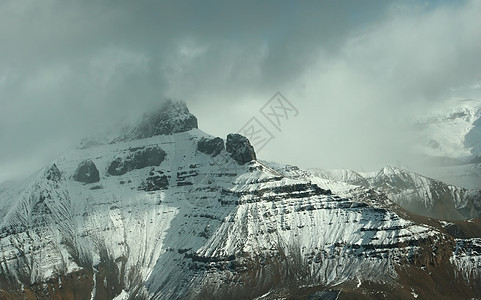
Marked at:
<point>166,211</point>
<point>413,192</point>
<point>427,196</point>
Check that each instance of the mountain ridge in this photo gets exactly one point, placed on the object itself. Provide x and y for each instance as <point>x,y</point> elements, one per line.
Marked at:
<point>179,216</point>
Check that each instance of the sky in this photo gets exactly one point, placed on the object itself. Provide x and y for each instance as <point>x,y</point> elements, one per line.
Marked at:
<point>356,72</point>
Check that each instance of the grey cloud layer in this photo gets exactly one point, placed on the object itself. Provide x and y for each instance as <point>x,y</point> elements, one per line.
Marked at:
<point>67,67</point>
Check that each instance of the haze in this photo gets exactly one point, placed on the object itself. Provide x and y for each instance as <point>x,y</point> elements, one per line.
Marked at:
<point>358,72</point>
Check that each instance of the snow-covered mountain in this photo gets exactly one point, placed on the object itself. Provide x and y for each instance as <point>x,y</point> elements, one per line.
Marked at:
<point>412,191</point>
<point>166,211</point>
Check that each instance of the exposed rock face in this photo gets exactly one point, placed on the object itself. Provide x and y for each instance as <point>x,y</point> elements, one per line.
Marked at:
<point>87,172</point>
<point>240,148</point>
<point>172,117</point>
<point>210,146</point>
<point>140,158</point>
<point>53,173</point>
<point>155,182</point>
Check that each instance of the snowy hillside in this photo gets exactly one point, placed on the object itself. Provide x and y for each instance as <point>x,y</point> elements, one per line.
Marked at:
<point>166,211</point>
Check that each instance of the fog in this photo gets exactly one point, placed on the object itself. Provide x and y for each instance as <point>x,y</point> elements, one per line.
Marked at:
<point>358,73</point>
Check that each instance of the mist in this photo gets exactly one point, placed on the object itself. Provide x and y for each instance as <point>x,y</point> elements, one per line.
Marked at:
<point>358,73</point>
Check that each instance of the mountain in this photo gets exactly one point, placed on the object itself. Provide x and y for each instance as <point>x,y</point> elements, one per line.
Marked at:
<point>427,196</point>
<point>166,211</point>
<point>413,192</point>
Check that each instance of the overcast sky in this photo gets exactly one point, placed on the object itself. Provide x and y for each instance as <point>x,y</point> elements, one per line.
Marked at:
<point>355,71</point>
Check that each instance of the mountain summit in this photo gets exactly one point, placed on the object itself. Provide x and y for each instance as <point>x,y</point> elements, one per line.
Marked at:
<point>171,117</point>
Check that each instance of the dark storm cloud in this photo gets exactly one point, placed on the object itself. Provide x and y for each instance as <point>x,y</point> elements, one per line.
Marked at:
<point>68,67</point>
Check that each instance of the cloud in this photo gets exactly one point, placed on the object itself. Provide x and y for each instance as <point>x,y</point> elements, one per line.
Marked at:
<point>355,71</point>
<point>357,106</point>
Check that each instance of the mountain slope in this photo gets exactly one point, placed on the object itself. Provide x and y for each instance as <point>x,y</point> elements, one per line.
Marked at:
<point>187,215</point>
<point>413,192</point>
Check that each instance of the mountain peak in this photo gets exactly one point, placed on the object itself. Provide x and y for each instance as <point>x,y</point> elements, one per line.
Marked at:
<point>389,171</point>
<point>171,117</point>
<point>53,173</point>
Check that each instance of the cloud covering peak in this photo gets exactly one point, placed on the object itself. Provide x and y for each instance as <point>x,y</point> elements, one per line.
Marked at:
<point>356,71</point>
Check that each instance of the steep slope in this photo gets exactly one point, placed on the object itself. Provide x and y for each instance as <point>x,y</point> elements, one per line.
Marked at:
<point>181,214</point>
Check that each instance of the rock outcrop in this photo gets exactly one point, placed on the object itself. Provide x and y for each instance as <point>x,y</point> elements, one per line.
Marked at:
<point>53,173</point>
<point>211,146</point>
<point>155,182</point>
<point>240,148</point>
<point>137,159</point>
<point>87,172</point>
